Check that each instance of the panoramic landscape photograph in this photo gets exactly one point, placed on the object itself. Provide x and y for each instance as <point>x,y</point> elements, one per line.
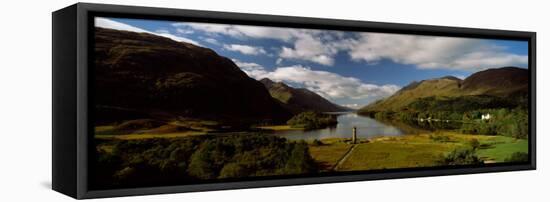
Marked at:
<point>179,103</point>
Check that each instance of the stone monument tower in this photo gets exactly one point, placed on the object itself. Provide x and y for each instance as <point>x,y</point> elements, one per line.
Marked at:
<point>354,137</point>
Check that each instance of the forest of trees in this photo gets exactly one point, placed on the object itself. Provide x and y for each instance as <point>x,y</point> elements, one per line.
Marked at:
<point>509,117</point>
<point>312,120</point>
<point>149,162</point>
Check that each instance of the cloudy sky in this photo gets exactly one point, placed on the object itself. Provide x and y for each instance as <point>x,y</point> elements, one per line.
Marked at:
<point>348,68</point>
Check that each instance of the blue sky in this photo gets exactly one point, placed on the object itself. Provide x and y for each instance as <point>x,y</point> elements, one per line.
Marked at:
<point>348,68</point>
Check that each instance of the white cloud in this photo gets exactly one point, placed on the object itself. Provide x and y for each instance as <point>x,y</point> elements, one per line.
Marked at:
<point>327,84</point>
<point>461,77</point>
<point>184,31</point>
<point>425,52</point>
<point>306,44</point>
<point>177,38</point>
<point>211,41</point>
<point>244,49</point>
<point>253,70</point>
<point>242,31</point>
<point>353,106</point>
<point>110,24</point>
<point>279,61</point>
<point>310,49</point>
<point>163,31</point>
<point>106,23</point>
<point>330,85</point>
<point>316,46</point>
<point>429,52</point>
<point>319,47</point>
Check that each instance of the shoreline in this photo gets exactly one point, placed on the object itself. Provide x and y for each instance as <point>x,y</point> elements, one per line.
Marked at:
<point>381,152</point>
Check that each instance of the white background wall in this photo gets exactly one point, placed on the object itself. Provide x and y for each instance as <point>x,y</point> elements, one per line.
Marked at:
<point>25,101</point>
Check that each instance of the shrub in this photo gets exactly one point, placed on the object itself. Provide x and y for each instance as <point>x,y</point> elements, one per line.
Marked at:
<point>474,143</point>
<point>384,115</point>
<point>124,173</point>
<point>233,170</point>
<point>505,122</point>
<point>440,138</point>
<point>312,120</point>
<point>317,142</point>
<point>201,165</point>
<point>518,157</point>
<point>461,156</point>
<point>300,161</point>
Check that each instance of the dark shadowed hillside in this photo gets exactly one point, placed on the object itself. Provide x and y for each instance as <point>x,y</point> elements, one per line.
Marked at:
<point>502,82</point>
<point>139,74</point>
<point>300,99</point>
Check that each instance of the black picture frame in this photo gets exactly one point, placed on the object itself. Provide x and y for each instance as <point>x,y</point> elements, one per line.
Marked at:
<point>72,103</point>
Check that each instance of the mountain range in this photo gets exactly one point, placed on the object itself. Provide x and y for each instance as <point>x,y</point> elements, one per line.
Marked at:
<point>505,82</point>
<point>139,75</point>
<point>300,99</point>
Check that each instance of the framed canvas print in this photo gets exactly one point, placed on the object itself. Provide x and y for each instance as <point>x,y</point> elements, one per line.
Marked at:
<point>154,100</point>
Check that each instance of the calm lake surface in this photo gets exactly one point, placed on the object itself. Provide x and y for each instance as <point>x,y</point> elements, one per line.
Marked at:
<point>366,127</point>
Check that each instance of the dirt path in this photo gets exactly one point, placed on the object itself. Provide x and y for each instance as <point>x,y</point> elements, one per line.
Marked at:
<point>343,158</point>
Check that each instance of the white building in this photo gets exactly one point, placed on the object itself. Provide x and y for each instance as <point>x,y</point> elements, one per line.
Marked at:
<point>485,116</point>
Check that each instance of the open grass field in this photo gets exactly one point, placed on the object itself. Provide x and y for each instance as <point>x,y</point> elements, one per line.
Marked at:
<point>397,154</point>
<point>500,148</point>
<point>328,154</point>
<point>279,127</point>
<point>140,130</point>
<point>413,150</point>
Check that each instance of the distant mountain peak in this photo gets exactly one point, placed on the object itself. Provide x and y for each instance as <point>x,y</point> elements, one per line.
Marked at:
<point>411,85</point>
<point>300,99</point>
<point>267,81</point>
<point>501,82</point>
<point>508,68</point>
<point>415,84</point>
<point>498,81</point>
<point>451,78</point>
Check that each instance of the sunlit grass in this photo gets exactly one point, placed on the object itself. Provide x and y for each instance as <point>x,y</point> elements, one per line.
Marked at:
<point>413,150</point>
<point>173,129</point>
<point>396,153</point>
<point>279,128</point>
<point>327,155</point>
<point>501,148</point>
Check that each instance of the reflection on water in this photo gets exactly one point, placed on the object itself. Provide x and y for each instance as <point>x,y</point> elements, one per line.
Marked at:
<point>366,127</point>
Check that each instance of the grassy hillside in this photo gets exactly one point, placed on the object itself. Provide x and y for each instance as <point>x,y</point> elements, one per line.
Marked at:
<point>299,100</point>
<point>507,83</point>
<point>446,86</point>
